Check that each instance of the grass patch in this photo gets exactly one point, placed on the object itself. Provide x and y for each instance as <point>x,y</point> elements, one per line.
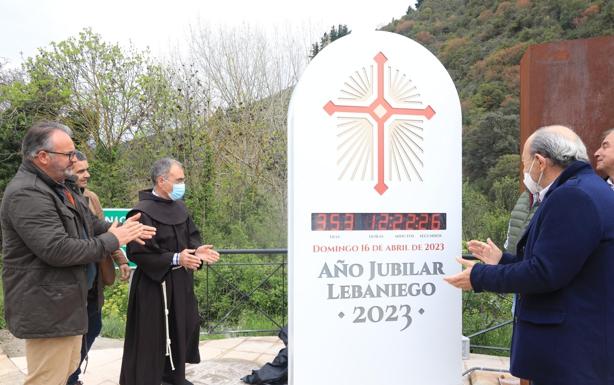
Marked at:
<point>247,320</point>
<point>113,327</point>
<point>251,320</point>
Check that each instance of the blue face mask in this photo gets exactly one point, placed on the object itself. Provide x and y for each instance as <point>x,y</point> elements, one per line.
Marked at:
<point>178,191</point>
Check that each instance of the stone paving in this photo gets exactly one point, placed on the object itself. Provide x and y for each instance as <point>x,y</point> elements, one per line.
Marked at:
<point>224,362</point>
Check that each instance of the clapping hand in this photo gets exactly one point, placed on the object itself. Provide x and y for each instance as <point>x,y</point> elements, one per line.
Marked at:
<point>188,260</point>
<point>147,232</point>
<point>462,280</point>
<point>207,254</point>
<point>486,252</point>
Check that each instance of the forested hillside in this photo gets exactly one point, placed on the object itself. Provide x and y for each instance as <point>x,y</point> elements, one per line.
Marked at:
<point>481,42</point>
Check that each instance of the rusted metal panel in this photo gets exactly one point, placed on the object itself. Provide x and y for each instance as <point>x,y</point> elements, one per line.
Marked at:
<point>571,83</point>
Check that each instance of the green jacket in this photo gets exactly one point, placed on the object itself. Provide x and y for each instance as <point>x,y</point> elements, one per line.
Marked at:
<point>45,245</point>
<point>519,220</point>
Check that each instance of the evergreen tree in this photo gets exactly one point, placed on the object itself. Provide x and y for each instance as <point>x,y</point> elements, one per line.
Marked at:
<point>335,33</point>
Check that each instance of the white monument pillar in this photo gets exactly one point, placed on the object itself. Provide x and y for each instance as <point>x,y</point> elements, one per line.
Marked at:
<point>374,184</point>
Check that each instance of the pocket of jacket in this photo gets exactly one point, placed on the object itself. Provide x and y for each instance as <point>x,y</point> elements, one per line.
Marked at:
<point>51,309</point>
<point>70,224</point>
<point>541,316</point>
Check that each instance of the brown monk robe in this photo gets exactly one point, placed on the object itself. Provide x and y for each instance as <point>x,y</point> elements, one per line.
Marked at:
<point>145,361</point>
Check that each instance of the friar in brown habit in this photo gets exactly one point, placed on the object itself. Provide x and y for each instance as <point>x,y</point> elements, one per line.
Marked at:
<point>162,327</point>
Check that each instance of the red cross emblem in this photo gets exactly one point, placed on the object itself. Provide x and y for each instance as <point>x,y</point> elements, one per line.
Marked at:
<point>405,134</point>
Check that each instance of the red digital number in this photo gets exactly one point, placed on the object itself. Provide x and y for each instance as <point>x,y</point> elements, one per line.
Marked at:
<point>411,222</point>
<point>424,219</point>
<point>373,220</point>
<point>396,221</point>
<point>436,222</point>
<point>348,221</point>
<point>320,222</point>
<point>383,222</point>
<point>334,223</point>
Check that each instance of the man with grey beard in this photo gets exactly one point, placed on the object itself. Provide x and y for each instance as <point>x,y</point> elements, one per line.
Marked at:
<point>49,236</point>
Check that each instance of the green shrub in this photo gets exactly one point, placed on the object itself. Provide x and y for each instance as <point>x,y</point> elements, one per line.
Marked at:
<point>116,301</point>
<point>114,310</point>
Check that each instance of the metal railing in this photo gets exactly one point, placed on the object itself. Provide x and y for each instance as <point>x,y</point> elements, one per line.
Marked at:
<point>277,260</point>
<point>488,329</point>
<point>245,297</point>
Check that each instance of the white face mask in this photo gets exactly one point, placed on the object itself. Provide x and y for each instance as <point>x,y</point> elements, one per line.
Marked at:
<point>529,183</point>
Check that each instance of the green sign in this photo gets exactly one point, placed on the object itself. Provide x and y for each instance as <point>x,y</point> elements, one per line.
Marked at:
<point>119,215</point>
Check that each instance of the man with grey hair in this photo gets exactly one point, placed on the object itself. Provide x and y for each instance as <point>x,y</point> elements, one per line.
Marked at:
<point>49,236</point>
<point>562,271</point>
<point>163,324</point>
<point>604,157</point>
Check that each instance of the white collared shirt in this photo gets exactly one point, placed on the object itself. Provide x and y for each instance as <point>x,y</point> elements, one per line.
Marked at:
<point>542,193</point>
<point>609,180</point>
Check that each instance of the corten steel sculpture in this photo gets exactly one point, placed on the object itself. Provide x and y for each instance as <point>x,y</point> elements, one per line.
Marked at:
<point>569,82</point>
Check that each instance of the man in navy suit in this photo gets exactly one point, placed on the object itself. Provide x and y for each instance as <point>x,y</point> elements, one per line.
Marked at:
<point>563,270</point>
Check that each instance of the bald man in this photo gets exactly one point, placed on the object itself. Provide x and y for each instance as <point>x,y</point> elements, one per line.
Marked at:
<point>564,318</point>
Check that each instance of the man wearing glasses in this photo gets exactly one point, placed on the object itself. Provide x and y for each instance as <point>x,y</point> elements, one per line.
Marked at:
<point>49,236</point>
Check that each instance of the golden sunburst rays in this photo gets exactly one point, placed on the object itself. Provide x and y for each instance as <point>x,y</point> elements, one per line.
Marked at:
<point>401,88</point>
<point>359,87</point>
<point>396,110</point>
<point>406,150</point>
<point>405,135</point>
<point>355,149</point>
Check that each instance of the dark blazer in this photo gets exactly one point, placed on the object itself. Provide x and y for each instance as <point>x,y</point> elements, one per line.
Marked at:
<point>563,272</point>
<point>45,252</point>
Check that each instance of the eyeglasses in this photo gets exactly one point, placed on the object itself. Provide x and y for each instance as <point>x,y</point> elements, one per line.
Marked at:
<point>71,155</point>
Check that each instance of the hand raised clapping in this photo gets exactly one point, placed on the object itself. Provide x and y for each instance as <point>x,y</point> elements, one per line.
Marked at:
<point>486,252</point>
<point>188,260</point>
<point>207,254</point>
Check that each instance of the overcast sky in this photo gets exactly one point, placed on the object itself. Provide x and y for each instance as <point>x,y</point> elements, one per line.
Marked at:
<point>26,25</point>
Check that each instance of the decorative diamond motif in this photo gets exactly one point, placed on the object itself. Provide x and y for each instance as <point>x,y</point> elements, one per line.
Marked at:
<point>380,111</point>
<point>341,314</point>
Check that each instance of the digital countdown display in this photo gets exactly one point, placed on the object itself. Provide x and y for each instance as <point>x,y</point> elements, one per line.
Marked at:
<point>377,221</point>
